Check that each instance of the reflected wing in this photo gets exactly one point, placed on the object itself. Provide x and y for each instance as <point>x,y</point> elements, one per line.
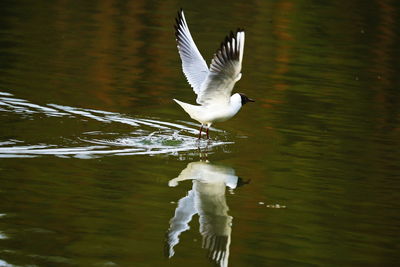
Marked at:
<point>224,71</point>
<point>193,65</point>
<point>218,248</point>
<point>179,223</point>
<point>215,227</point>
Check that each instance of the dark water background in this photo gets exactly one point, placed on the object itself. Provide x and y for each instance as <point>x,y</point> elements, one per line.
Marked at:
<point>90,137</point>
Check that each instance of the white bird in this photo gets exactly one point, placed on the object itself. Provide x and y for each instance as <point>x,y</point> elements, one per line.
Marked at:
<point>213,86</point>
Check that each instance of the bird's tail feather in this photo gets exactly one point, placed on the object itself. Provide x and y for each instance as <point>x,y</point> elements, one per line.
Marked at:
<point>192,110</point>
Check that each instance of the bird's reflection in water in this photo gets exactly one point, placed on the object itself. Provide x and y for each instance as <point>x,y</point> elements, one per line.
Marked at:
<point>207,199</point>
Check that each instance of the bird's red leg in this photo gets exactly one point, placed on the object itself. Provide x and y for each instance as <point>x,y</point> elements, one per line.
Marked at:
<point>201,128</point>
<point>207,133</point>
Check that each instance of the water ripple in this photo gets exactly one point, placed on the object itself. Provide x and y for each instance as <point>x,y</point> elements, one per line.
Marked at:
<point>150,136</point>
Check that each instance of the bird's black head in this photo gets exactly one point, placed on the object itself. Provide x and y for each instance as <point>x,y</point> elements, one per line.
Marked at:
<point>242,182</point>
<point>245,99</point>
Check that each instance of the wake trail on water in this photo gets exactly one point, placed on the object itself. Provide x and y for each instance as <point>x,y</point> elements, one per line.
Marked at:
<point>146,136</point>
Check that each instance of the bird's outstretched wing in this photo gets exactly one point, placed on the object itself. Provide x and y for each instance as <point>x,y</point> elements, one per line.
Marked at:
<point>224,71</point>
<point>193,65</point>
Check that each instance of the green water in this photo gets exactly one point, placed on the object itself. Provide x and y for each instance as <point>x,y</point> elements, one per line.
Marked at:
<point>91,140</point>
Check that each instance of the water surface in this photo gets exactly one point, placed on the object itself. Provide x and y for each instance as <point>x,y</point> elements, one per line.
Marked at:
<point>99,167</point>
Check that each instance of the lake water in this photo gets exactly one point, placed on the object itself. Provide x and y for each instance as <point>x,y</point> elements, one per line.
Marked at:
<point>99,167</point>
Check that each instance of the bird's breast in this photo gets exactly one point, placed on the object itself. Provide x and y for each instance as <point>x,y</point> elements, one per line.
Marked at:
<point>222,113</point>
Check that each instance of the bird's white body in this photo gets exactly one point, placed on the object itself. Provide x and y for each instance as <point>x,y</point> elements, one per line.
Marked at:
<point>213,86</point>
<point>209,114</point>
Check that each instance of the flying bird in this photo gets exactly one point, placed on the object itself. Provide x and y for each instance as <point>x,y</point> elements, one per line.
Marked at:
<point>213,86</point>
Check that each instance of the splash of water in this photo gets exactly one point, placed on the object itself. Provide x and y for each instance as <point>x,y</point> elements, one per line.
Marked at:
<point>150,136</point>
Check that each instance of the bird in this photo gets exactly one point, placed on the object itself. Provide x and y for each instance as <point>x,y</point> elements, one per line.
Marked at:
<point>213,86</point>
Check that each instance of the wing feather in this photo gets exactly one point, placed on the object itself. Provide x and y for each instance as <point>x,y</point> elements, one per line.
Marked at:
<point>224,71</point>
<point>193,65</point>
